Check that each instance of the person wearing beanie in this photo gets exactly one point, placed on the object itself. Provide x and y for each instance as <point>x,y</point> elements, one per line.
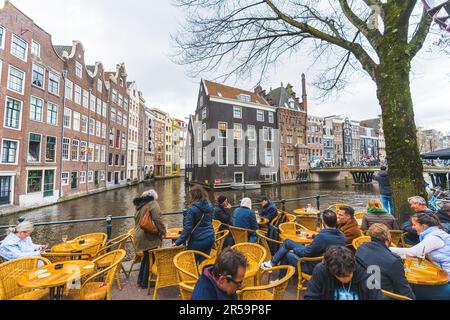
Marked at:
<point>268,209</point>
<point>222,213</point>
<point>18,243</point>
<point>245,218</point>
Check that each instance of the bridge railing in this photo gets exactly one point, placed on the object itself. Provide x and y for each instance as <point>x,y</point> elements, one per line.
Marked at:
<point>109,219</point>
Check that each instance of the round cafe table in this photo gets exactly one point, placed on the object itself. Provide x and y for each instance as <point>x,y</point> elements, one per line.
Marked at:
<point>303,211</point>
<point>297,237</point>
<point>173,233</point>
<point>48,277</point>
<point>74,246</point>
<point>425,273</point>
<point>262,221</point>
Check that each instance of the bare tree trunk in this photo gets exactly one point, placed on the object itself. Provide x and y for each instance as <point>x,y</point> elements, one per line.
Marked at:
<point>394,95</point>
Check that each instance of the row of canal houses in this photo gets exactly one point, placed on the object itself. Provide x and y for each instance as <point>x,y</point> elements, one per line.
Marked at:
<point>69,128</point>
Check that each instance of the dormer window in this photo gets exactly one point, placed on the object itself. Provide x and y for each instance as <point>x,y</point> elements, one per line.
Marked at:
<point>244,98</point>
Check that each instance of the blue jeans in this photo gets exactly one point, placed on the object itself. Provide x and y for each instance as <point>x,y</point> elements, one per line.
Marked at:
<point>388,203</point>
<point>204,245</point>
<point>284,250</point>
<point>286,257</point>
<point>432,292</point>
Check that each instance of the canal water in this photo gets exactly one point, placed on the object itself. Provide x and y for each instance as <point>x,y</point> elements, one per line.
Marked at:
<point>173,197</point>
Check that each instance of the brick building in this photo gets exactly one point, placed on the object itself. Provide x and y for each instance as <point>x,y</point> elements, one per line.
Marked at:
<point>159,142</point>
<point>133,131</point>
<point>314,132</point>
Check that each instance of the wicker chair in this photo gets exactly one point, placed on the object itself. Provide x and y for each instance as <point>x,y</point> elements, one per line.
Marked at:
<point>162,266</point>
<point>240,235</point>
<point>335,207</point>
<point>309,222</point>
<point>186,265</point>
<point>272,291</point>
<point>256,255</point>
<point>216,225</point>
<point>186,289</point>
<point>395,296</point>
<point>12,270</point>
<point>360,214</point>
<point>264,241</point>
<point>290,217</point>
<point>279,219</point>
<point>398,237</point>
<point>55,257</point>
<point>138,255</point>
<point>304,277</point>
<point>92,251</point>
<point>98,286</point>
<point>359,241</point>
<point>116,244</point>
<point>218,245</point>
<point>291,227</point>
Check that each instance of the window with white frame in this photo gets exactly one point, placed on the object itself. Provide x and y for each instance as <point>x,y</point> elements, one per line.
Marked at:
<point>75,150</point>
<point>238,156</point>
<point>50,149</point>
<point>16,79</point>
<point>34,181</point>
<point>251,133</point>
<point>124,120</point>
<point>10,151</point>
<point>85,98</point>
<point>68,90</point>
<point>77,97</point>
<point>260,115</point>
<point>35,48</point>
<point>99,106</point>
<point>91,152</point>
<point>268,134</point>
<point>2,37</point>
<point>98,128</point>
<point>103,154</point>
<point>36,109</point>
<point>119,117</point>
<point>53,83</point>
<point>92,103</point>
<point>120,101</point>
<point>113,114</point>
<point>99,85</point>
<point>269,157</point>
<point>104,109</point>
<point>124,141</point>
<point>65,178</point>
<point>83,150</point>
<point>223,156</point>
<point>34,147</point>
<point>84,124</point>
<point>38,76</point>
<point>125,104</point>
<point>223,128</point>
<point>67,120</point>
<point>13,111</point>
<point>76,121</point>
<point>82,177</point>
<point>290,158</point>
<point>114,95</point>
<point>65,149</point>
<point>90,176</point>
<point>237,132</point>
<point>104,130</point>
<point>252,157</point>
<point>97,153</point>
<point>237,112</point>
<point>78,69</point>
<point>203,113</point>
<point>19,48</point>
<point>91,126</point>
<point>271,117</point>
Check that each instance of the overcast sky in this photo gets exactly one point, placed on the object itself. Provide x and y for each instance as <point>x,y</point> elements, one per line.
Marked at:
<point>137,32</point>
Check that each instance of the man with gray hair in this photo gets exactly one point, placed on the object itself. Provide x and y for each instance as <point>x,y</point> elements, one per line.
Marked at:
<point>418,205</point>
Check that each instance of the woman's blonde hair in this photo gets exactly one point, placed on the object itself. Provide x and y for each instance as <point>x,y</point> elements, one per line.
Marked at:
<point>374,204</point>
<point>25,226</point>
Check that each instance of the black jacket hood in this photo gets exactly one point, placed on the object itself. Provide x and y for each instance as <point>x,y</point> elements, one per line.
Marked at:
<point>139,202</point>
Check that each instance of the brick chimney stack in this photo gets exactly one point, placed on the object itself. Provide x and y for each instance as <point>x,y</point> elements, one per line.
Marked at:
<point>304,95</point>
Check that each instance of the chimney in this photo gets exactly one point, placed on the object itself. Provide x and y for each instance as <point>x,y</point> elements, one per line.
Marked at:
<point>304,95</point>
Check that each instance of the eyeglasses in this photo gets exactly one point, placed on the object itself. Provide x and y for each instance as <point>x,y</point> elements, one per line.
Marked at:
<point>238,283</point>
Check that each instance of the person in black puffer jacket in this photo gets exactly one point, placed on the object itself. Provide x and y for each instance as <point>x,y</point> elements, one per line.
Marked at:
<point>198,230</point>
<point>222,213</point>
<point>384,185</point>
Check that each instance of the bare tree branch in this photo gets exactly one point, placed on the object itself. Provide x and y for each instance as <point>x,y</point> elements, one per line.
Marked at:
<point>420,34</point>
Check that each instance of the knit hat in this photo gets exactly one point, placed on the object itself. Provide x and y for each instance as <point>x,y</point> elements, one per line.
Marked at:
<point>150,193</point>
<point>246,202</point>
<point>221,199</point>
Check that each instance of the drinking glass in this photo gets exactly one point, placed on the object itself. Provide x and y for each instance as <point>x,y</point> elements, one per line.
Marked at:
<point>64,238</point>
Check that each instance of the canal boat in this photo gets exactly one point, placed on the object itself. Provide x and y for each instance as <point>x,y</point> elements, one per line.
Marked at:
<point>245,186</point>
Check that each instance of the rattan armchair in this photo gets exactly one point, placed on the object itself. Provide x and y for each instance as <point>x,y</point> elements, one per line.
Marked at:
<point>186,265</point>
<point>163,268</point>
<point>93,250</point>
<point>398,237</point>
<point>272,291</point>
<point>360,214</point>
<point>218,244</point>
<point>395,296</point>
<point>138,255</point>
<point>240,235</point>
<point>10,271</point>
<point>216,225</point>
<point>290,217</point>
<point>302,276</point>
<point>291,227</point>
<point>264,240</point>
<point>256,255</point>
<point>186,289</point>
<point>98,286</point>
<point>359,241</point>
<point>309,222</point>
<point>55,257</point>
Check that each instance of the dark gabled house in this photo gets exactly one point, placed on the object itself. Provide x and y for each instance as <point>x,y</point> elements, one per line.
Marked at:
<point>232,138</point>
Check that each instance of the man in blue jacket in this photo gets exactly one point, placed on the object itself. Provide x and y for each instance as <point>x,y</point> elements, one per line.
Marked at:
<point>268,209</point>
<point>245,218</point>
<point>376,253</point>
<point>291,251</point>
<point>221,281</point>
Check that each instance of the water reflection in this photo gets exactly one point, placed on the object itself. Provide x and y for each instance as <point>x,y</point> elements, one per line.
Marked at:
<point>172,197</point>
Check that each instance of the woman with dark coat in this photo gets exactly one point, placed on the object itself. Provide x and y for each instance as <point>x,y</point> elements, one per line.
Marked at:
<point>146,241</point>
<point>198,231</point>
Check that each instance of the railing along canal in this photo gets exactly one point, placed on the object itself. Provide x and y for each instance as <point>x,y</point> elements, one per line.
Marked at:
<point>109,219</point>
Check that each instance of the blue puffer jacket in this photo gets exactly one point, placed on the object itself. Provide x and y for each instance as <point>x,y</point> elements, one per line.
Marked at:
<point>192,217</point>
<point>246,218</point>
<point>270,211</point>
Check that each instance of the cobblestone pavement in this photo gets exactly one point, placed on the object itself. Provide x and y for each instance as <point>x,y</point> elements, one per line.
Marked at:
<point>130,290</point>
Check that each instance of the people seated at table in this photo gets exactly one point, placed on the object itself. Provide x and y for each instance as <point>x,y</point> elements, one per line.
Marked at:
<point>198,231</point>
<point>434,244</point>
<point>268,209</point>
<point>348,224</point>
<point>339,277</point>
<point>222,213</point>
<point>245,218</point>
<point>377,214</point>
<point>221,281</point>
<point>377,253</point>
<point>444,216</point>
<point>418,205</point>
<point>18,243</point>
<point>144,240</point>
<point>290,251</point>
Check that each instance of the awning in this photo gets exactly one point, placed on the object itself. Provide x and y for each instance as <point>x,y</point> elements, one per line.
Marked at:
<point>443,154</point>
